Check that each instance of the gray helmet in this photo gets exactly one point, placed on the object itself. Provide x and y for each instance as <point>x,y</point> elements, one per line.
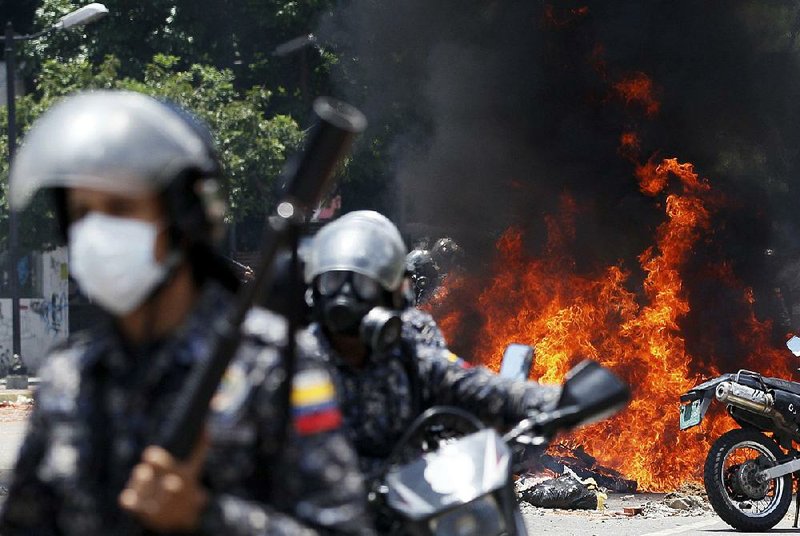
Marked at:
<point>364,242</point>
<point>447,254</point>
<point>419,260</point>
<point>117,141</point>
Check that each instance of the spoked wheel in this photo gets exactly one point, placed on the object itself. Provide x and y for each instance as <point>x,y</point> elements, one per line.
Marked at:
<point>736,495</point>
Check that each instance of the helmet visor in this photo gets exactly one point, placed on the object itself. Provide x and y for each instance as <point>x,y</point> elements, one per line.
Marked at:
<point>330,283</point>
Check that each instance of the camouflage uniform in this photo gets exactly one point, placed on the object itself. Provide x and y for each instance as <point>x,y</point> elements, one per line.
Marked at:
<point>420,326</point>
<point>100,404</point>
<point>382,399</point>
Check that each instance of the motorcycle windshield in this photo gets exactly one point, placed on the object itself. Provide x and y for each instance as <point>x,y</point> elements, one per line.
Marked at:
<point>457,473</point>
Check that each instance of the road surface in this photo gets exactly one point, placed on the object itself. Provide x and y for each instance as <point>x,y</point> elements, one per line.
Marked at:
<point>612,522</point>
<point>564,523</point>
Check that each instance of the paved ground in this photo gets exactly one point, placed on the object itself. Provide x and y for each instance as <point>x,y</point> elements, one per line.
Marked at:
<point>611,522</point>
<point>11,434</point>
<point>564,523</point>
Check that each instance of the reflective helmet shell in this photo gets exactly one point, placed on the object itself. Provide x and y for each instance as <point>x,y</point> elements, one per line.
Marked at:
<point>418,260</point>
<point>363,242</point>
<point>117,141</point>
<point>446,253</point>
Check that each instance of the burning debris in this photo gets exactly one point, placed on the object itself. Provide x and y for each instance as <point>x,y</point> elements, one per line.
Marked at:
<point>569,478</point>
<point>562,459</point>
<point>566,492</point>
<point>567,312</point>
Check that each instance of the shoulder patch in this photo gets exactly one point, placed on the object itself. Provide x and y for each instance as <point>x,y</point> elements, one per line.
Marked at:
<point>314,407</point>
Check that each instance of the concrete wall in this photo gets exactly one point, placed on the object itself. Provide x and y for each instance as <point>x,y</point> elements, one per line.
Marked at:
<point>43,321</point>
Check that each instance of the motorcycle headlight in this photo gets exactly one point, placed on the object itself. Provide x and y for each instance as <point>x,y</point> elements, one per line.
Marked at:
<point>481,516</point>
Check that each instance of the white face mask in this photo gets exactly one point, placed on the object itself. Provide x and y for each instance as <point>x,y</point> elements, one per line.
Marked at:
<point>113,260</point>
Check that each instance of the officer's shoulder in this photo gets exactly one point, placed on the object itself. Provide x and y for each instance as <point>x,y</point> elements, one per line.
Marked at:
<point>438,355</point>
<point>72,352</point>
<point>61,373</point>
<point>420,328</point>
<point>416,317</point>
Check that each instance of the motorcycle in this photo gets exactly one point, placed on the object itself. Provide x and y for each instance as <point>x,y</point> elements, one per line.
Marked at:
<point>462,483</point>
<point>748,472</point>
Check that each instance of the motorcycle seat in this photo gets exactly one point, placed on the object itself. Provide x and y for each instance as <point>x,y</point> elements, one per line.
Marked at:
<point>784,385</point>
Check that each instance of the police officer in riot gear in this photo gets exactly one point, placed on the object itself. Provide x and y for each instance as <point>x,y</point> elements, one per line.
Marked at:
<point>447,255</point>
<point>134,180</point>
<point>355,266</point>
<point>423,274</point>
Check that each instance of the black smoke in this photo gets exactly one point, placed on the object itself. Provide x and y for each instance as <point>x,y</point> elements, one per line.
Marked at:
<point>495,109</point>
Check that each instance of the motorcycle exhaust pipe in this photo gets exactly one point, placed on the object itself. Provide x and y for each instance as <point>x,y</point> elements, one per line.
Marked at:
<point>745,397</point>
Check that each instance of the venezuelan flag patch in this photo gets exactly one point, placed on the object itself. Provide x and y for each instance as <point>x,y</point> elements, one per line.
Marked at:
<point>314,406</point>
<point>453,358</point>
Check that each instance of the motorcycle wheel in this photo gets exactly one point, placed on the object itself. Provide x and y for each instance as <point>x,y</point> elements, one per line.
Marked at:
<point>741,501</point>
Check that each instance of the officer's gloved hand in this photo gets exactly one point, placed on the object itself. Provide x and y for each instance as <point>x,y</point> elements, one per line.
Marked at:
<point>165,493</point>
<point>542,397</point>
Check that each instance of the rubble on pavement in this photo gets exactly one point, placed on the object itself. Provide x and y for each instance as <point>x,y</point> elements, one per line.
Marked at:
<point>689,500</point>
<point>16,408</point>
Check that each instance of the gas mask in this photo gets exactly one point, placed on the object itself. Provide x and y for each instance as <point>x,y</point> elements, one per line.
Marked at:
<point>380,329</point>
<point>350,304</point>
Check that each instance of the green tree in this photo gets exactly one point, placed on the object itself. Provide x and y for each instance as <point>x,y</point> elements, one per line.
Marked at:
<point>252,147</point>
<point>217,58</point>
<point>239,35</point>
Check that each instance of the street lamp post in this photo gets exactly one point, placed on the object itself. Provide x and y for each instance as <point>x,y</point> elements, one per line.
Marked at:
<point>79,17</point>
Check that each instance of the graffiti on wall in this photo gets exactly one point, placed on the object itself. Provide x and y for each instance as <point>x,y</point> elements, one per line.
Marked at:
<point>52,312</point>
<point>44,321</point>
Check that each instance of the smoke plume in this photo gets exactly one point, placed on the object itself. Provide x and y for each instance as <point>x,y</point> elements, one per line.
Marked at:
<point>497,109</point>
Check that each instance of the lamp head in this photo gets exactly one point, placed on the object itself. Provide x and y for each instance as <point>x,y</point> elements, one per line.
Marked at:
<point>82,16</point>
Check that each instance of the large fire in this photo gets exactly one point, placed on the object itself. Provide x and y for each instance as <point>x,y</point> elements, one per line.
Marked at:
<point>626,317</point>
<point>570,316</point>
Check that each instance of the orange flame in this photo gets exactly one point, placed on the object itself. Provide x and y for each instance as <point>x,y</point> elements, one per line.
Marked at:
<point>637,88</point>
<point>569,316</point>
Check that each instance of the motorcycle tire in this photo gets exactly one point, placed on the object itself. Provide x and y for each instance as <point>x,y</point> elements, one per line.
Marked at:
<point>717,491</point>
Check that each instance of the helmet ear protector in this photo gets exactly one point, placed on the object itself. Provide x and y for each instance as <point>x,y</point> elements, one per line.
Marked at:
<point>195,210</point>
<point>194,207</point>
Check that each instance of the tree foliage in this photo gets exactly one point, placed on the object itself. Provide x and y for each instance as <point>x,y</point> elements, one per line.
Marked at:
<point>251,146</point>
<point>240,35</point>
<point>215,57</point>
